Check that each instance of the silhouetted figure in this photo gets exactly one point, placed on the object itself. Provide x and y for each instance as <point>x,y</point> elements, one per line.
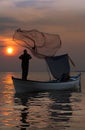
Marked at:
<point>25,57</point>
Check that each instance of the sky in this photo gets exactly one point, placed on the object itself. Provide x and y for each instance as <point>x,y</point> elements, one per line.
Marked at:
<point>63,17</point>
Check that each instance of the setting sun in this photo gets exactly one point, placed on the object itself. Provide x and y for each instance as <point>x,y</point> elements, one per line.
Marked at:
<point>10,50</point>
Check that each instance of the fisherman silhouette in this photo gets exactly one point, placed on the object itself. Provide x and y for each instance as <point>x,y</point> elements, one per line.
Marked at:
<point>25,57</point>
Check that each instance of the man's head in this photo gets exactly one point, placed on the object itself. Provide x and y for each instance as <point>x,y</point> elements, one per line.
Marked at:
<point>25,51</point>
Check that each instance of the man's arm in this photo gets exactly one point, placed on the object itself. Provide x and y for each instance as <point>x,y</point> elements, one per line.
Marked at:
<point>20,57</point>
<point>30,57</point>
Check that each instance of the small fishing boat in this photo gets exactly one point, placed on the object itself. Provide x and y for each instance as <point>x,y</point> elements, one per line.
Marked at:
<point>22,86</point>
<point>58,66</point>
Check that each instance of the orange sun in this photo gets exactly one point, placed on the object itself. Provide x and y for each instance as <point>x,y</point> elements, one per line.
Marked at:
<point>10,50</point>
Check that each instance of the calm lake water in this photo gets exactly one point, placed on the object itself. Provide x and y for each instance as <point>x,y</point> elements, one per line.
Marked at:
<point>42,110</point>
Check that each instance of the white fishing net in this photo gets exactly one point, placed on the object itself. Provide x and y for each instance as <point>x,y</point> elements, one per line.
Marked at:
<point>40,43</point>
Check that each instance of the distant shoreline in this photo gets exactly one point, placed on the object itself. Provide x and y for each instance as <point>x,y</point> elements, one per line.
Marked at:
<point>34,71</point>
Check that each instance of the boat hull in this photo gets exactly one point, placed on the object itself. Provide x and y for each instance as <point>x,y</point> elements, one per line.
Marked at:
<point>22,86</point>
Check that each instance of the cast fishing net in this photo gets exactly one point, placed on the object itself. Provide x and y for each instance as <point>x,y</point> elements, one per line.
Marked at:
<point>41,43</point>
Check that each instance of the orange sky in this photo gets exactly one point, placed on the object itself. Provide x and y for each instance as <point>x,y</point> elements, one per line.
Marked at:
<point>63,17</point>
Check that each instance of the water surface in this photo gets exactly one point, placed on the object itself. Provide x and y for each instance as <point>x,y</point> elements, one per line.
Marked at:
<point>40,111</point>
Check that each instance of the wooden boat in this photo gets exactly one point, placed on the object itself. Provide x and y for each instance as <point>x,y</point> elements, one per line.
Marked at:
<point>59,66</point>
<point>22,86</point>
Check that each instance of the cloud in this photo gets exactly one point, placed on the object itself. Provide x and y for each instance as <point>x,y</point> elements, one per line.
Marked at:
<point>2,43</point>
<point>1,46</point>
<point>24,4</point>
<point>44,4</point>
<point>51,14</point>
<point>52,4</point>
<point>8,23</point>
<point>6,20</point>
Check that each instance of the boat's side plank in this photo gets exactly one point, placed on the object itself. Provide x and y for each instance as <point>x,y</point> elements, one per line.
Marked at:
<point>29,85</point>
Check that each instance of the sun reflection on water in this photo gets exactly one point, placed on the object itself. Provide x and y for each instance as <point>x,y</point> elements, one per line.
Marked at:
<point>6,100</point>
<point>45,110</point>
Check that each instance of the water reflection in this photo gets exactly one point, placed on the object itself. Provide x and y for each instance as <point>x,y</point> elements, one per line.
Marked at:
<point>6,100</point>
<point>44,110</point>
<point>35,111</point>
<point>61,109</point>
<point>24,113</point>
<point>24,109</point>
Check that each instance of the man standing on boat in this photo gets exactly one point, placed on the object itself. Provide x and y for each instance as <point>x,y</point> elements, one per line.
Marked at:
<point>25,57</point>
